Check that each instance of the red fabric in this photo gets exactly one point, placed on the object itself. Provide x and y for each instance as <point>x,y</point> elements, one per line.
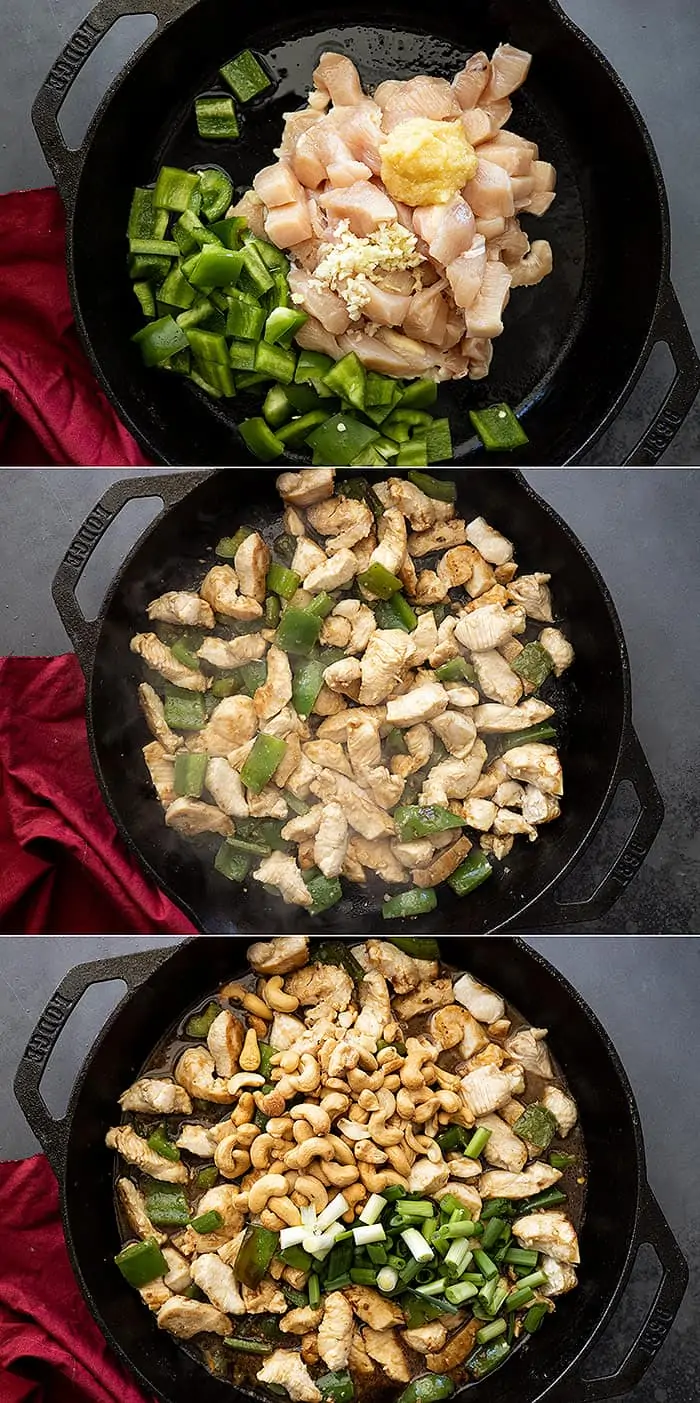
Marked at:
<point>51,1350</point>
<point>51,408</point>
<point>63,867</point>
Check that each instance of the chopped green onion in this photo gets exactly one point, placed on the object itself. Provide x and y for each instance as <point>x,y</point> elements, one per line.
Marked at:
<point>491,1331</point>
<point>387,1278</point>
<point>487,1268</point>
<point>459,1293</point>
<point>248,1346</point>
<point>479,1140</point>
<point>420,1250</point>
<point>535,1316</point>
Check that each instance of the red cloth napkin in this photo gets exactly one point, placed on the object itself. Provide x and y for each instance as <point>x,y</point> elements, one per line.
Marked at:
<point>51,408</point>
<point>63,867</point>
<point>51,1350</point>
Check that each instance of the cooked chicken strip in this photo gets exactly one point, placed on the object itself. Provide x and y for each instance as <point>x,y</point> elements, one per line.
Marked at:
<point>507,821</point>
<point>532,592</point>
<point>560,1277</point>
<point>336,727</point>
<point>328,755</point>
<point>306,487</point>
<point>426,1338</point>
<point>218,1282</point>
<point>538,807</point>
<point>307,556</point>
<point>385,1347</point>
<point>192,816</point>
<point>495,718</point>
<point>383,662</point>
<point>264,1299</point>
<point>335,1331</point>
<point>559,649</point>
<point>443,865</point>
<point>494,547</point>
<point>484,629</point>
<point>437,538</point>
<point>454,779</point>
<point>185,1318</point>
<point>330,844</point>
<point>536,764</point>
<point>377,856</point>
<point>156,1096</point>
<point>345,676</point>
<point>135,1150</point>
<point>423,639</point>
<point>232,723</point>
<point>362,623</point>
<point>220,589</point>
<point>528,1047</point>
<point>303,825</point>
<point>496,679</point>
<point>362,814</point>
<point>338,570</point>
<point>223,652</point>
<point>284,1366</point>
<point>196,1071</point>
<point>225,1041</point>
<point>392,541</point>
<point>455,568</point>
<point>433,994</point>
<point>456,731</point>
<point>479,813</point>
<point>486,1089</point>
<point>563,1108</point>
<point>279,955</point>
<point>499,1183</point>
<point>403,972</point>
<point>549,1232</point>
<point>154,715</point>
<point>343,520</point>
<point>226,789</point>
<point>134,1206</point>
<point>375,1005</point>
<point>429,588</point>
<point>301,1320</point>
<point>161,768</point>
<point>276,690</point>
<point>181,607</point>
<point>251,565</point>
<point>281,871</point>
<point>197,1140</point>
<point>483,1003</point>
<point>422,512</point>
<point>149,647</point>
<point>503,1150</point>
<point>372,1308</point>
<point>422,703</point>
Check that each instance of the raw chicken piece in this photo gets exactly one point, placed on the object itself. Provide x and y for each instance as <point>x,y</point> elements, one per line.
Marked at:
<point>465,273</point>
<point>549,1232</point>
<point>326,306</point>
<point>276,690</point>
<point>230,653</point>
<point>288,225</point>
<point>232,723</point>
<point>484,317</point>
<point>362,204</point>
<point>149,647</point>
<point>191,817</point>
<point>472,80</point>
<point>277,185</point>
<point>314,337</point>
<point>499,111</point>
<point>512,152</point>
<point>484,629</point>
<point>154,1096</point>
<point>331,841</point>
<point>385,308</point>
<point>280,870</point>
<point>251,208</point>
<point>181,607</point>
<point>304,488</point>
<point>403,358</point>
<point>161,768</point>
<point>536,764</point>
<point>154,716</point>
<point>216,1279</point>
<point>494,547</point>
<point>509,69</point>
<point>383,662</point>
<point>559,649</point>
<point>361,130</point>
<point>563,1108</point>
<point>251,564</point>
<point>479,353</point>
<point>477,125</point>
<point>362,814</point>
<point>490,192</point>
<point>135,1150</point>
<point>185,1318</point>
<point>426,317</point>
<point>492,717</point>
<point>423,96</point>
<point>448,230</point>
<point>335,1331</point>
<point>422,703</point>
<point>533,593</point>
<point>286,1368</point>
<point>220,589</point>
<point>497,680</point>
<point>337,75</point>
<point>483,1003</point>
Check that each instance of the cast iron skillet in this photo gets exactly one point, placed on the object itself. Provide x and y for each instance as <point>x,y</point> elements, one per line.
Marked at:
<point>621,1211</point>
<point>598,743</point>
<point>573,347</point>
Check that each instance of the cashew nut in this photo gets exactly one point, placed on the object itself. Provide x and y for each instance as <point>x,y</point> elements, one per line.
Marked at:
<point>364,1081</point>
<point>343,1152</point>
<point>246,1134</point>
<point>367,1101</point>
<point>262,1150</point>
<point>340,1175</point>
<point>419,1055</point>
<point>245,1109</point>
<point>318,1119</point>
<point>270,1220</point>
<point>420,1144</point>
<point>249,1057</point>
<point>243,1079</point>
<point>307,1078</point>
<point>354,1194</point>
<point>315,1148</point>
<point>309,1188</point>
<point>274,995</point>
<point>335,1104</point>
<point>236,994</point>
<point>288,1061</point>
<point>285,1209</point>
<point>376,1181</point>
<point>368,1153</point>
<point>302,1131</point>
<point>265,1188</point>
<point>354,1131</point>
<point>279,1126</point>
<point>229,1160</point>
<point>258,1024</point>
<point>400,1159</point>
<point>271,1104</point>
<point>382,1134</point>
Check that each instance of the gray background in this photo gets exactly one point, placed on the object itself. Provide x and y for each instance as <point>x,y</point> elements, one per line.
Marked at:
<point>654,47</point>
<point>641,529</point>
<point>645,993</point>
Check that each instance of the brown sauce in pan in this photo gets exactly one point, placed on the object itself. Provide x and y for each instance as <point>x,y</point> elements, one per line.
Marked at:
<point>240,1369</point>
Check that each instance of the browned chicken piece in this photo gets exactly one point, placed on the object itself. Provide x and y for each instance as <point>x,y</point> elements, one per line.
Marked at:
<point>503,1150</point>
<point>154,715</point>
<point>361,621</point>
<point>278,956</point>
<point>196,1071</point>
<point>496,679</point>
<point>336,571</point>
<point>135,1150</point>
<point>528,1047</point>
<point>434,993</point>
<point>443,866</point>
<point>491,717</point>
<point>457,1349</point>
<point>377,856</point>
<point>419,742</point>
<point>251,564</point>
<point>226,789</point>
<point>385,1347</point>
<point>215,1278</point>
<point>149,647</point>
<point>438,538</point>
<point>359,1361</point>
<point>335,1331</point>
<point>454,779</point>
<point>497,594</point>
<point>328,755</point>
<point>343,520</point>
<point>456,731</point>
<point>384,660</point>
<point>153,1096</point>
<point>392,541</point>
<point>307,556</point>
<point>303,826</point>
<point>482,578</point>
<point>185,1318</point>
<point>533,593</point>
<point>426,1338</point>
<point>496,847</point>
<point>328,703</point>
<point>422,703</point>
<point>422,512</point>
<point>345,676</point>
<point>220,589</point>
<point>192,816</point>
<point>550,1232</point>
<point>230,653</point>
<point>362,814</point>
<point>264,1299</point>
<point>134,1205</point>
<point>281,871</point>
<point>225,1041</point>
<point>306,487</point>
<point>536,764</point>
<point>563,1108</point>
<point>181,607</point>
<point>484,629</point>
<point>430,588</point>
<point>301,1320</point>
<point>507,821</point>
<point>276,690</point>
<point>335,632</point>
<point>494,547</point>
<point>559,649</point>
<point>456,566</point>
<point>286,1369</point>
<point>402,971</point>
<point>331,841</point>
<point>232,723</point>
<point>336,727</point>
<point>161,768</point>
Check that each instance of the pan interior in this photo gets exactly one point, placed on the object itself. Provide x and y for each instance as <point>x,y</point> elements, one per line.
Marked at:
<point>590,705</point>
<point>570,344</point>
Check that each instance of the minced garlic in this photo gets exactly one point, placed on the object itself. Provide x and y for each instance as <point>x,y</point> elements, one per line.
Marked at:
<point>348,265</point>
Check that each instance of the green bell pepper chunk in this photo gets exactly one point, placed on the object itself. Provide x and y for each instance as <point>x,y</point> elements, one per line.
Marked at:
<point>161,1145</point>
<point>416,821</point>
<point>252,675</point>
<point>298,631</point>
<point>347,379</point>
<point>216,121</point>
<point>232,863</point>
<point>307,683</point>
<point>176,291</point>
<point>542,733</point>
<point>208,1222</point>
<point>146,268</point>
<point>216,377</point>
<point>337,1386</point>
<point>298,430</point>
<point>273,258</point>
<point>206,1178</point>
<point>275,362</point>
<point>283,324</point>
<point>242,355</point>
<point>244,321</point>
<point>215,187</point>
<point>379,581</point>
<point>216,267</point>
<point>325,892</point>
<point>379,390</point>
<point>255,275</point>
<point>272,610</point>
<point>156,248</point>
<point>208,346</point>
<point>419,949</point>
<point>266,1054</point>
<point>260,440</point>
<point>166,1206</point>
<point>245,76</point>
<point>200,311</point>
<point>419,394</point>
<point>145,222</point>
<point>534,664</point>
<point>160,340</point>
<point>184,711</point>
<point>488,1358</point>
<point>248,1346</point>
<point>312,366</point>
<point>191,234</point>
<point>321,606</point>
<point>475,869</point>
<point>498,427</point>
<point>537,1125</point>
<point>277,408</point>
<point>190,773</point>
<point>417,901</point>
<point>227,546</point>
<point>439,441</point>
<point>265,756</point>
<point>255,1254</point>
<point>430,1388</point>
<point>282,581</point>
<point>181,650</point>
<point>396,613</point>
<point>442,490</point>
<point>141,1262</point>
<point>413,454</point>
<point>229,230</point>
<point>340,440</point>
<point>199,1024</point>
<point>174,189</point>
<point>146,300</point>
<point>456,670</point>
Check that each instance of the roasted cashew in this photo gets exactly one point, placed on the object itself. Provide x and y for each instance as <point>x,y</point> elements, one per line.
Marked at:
<point>270,1220</point>
<point>288,1061</point>
<point>336,1103</point>
<point>382,1134</point>
<point>368,1101</point>
<point>271,1104</point>
<point>245,1109</point>
<point>236,994</point>
<point>433,1152</point>
<point>243,1079</point>
<point>419,1143</point>
<point>309,1188</point>
<point>262,1150</point>
<point>391,1033</point>
<point>369,1153</point>
<point>337,1084</point>
<point>352,1130</point>
<point>340,1175</point>
<point>229,1160</point>
<point>315,1148</point>
<point>419,1055</point>
<point>265,1188</point>
<point>357,1115</point>
<point>341,1057</point>
<point>392,1081</point>
<point>246,1134</point>
<point>354,1194</point>
<point>406,1101</point>
<point>308,1077</point>
<point>302,1131</point>
<point>448,1080</point>
<point>390,1059</point>
<point>276,998</point>
<point>365,1081</point>
<point>400,1158</point>
<point>280,1127</point>
<point>285,1209</point>
<point>249,1056</point>
<point>375,1180</point>
<point>343,1152</point>
<point>318,1119</point>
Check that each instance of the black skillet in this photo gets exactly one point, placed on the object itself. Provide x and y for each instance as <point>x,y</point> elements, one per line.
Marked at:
<point>597,741</point>
<point>621,1210</point>
<point>573,347</point>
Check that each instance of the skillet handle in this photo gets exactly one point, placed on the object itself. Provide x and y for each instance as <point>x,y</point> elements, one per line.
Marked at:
<point>670,326</point>
<point>133,969</point>
<point>83,633</point>
<point>654,1230</point>
<point>633,766</point>
<point>64,162</point>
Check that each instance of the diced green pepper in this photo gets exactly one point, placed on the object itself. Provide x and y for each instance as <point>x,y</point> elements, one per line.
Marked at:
<point>442,489</point>
<point>299,430</point>
<point>216,121</point>
<point>542,732</point>
<point>244,320</point>
<point>283,324</point>
<point>498,427</point>
<point>242,356</point>
<point>307,683</point>
<point>413,454</point>
<point>158,1142</point>
<point>184,711</point>
<point>142,216</point>
<point>176,290</point>
<point>430,1388</point>
<point>216,378</point>
<point>265,756</point>
<point>260,440</point>
<point>416,946</point>
<point>347,379</point>
<point>277,408</point>
<point>147,302</point>
<point>199,1024</point>
<point>282,581</point>
<point>141,1262</point>
<point>156,248</point>
<point>337,1387</point>
<point>181,650</point>
<point>146,268</point>
<point>537,1125</point>
<point>254,1256</point>
<point>439,441</point>
<point>174,188</point>
<point>396,613</point>
<point>417,901</point>
<point>255,275</point>
<point>252,675</point>
<point>166,1206</point>
<point>210,1221</point>
<point>191,234</point>
<point>488,1358</point>
<point>298,631</point>
<point>272,610</point>
<point>419,394</point>
<point>215,186</point>
<point>216,266</point>
<point>338,441</point>
<point>245,76</point>
<point>416,821</point>
<point>206,1178</point>
<point>227,546</point>
<point>232,863</point>
<point>475,869</point>
<point>379,581</point>
<point>534,664</point>
<point>456,670</point>
<point>312,366</point>
<point>160,340</point>
<point>321,605</point>
<point>325,892</point>
<point>275,362</point>
<point>200,311</point>
<point>190,773</point>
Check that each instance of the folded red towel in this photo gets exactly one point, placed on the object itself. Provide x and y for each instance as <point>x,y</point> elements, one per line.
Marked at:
<point>51,1350</point>
<point>51,407</point>
<point>63,866</point>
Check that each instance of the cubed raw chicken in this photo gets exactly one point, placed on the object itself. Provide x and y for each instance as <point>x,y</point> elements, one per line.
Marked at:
<point>362,204</point>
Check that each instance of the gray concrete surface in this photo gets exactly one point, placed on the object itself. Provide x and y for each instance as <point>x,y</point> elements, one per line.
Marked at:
<point>641,529</point>
<point>644,992</point>
<point>655,49</point>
